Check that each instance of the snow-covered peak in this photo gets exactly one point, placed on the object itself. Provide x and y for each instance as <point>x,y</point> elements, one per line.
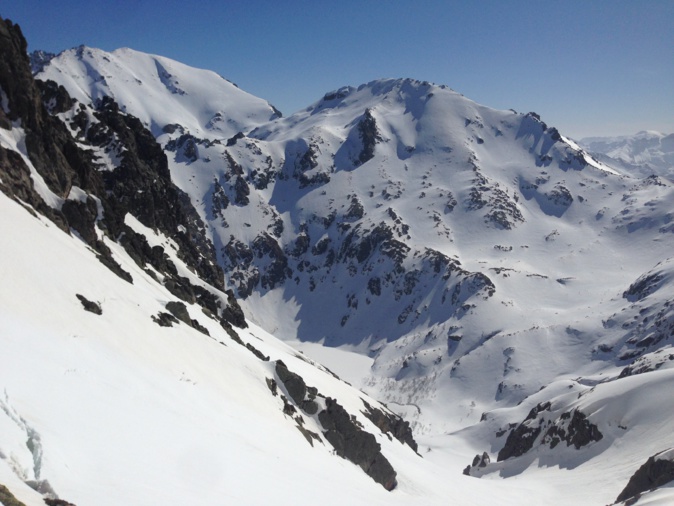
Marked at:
<point>159,91</point>
<point>644,153</point>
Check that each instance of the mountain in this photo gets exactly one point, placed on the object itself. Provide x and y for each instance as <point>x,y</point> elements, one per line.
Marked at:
<point>643,154</point>
<point>157,90</point>
<point>130,376</point>
<point>487,278</point>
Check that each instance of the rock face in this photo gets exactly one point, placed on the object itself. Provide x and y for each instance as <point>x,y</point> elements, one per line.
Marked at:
<point>297,389</point>
<point>571,427</point>
<point>7,498</point>
<point>656,472</point>
<point>356,445</point>
<point>390,423</point>
<point>87,196</point>
<point>92,307</point>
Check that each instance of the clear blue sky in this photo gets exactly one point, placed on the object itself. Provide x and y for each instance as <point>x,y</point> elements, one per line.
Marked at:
<point>603,67</point>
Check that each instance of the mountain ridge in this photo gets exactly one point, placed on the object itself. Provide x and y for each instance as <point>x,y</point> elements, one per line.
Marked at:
<point>448,242</point>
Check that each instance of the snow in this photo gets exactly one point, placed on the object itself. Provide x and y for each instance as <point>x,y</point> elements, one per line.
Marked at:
<point>178,408</point>
<point>158,90</point>
<point>172,414</point>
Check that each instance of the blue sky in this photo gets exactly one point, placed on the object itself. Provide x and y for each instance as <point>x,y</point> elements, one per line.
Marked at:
<point>603,67</point>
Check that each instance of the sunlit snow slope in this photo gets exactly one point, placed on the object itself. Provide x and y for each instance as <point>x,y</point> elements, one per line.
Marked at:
<point>506,285</point>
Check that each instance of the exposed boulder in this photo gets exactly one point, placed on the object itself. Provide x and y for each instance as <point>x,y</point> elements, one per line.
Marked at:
<point>356,445</point>
<point>479,461</point>
<point>390,423</point>
<point>92,307</point>
<point>179,310</point>
<point>297,389</point>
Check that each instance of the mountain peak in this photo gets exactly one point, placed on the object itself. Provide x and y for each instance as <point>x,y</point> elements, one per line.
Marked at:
<point>158,90</point>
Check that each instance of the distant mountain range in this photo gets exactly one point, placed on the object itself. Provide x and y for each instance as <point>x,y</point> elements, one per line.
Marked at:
<point>503,288</point>
<point>644,153</point>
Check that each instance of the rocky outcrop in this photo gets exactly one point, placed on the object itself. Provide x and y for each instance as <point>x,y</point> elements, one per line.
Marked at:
<point>179,310</point>
<point>369,135</point>
<point>390,423</point>
<point>656,472</point>
<point>356,445</point>
<point>7,498</point>
<point>571,427</point>
<point>521,439</point>
<point>479,461</point>
<point>95,201</point>
<point>92,307</point>
<point>297,389</point>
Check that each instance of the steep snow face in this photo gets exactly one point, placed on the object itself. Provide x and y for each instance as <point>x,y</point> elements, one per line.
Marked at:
<point>162,93</point>
<point>90,400</point>
<point>644,153</point>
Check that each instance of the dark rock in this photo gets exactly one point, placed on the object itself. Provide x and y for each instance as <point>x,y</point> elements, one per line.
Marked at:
<point>179,310</point>
<point>644,286</point>
<point>355,211</point>
<point>55,98</point>
<point>653,474</point>
<point>579,432</point>
<point>571,427</point>
<point>301,246</point>
<point>164,319</point>
<point>271,383</point>
<point>232,140</point>
<point>181,288</point>
<point>369,135</point>
<point>374,286</point>
<point>309,407</point>
<point>277,270</point>
<point>7,498</point>
<point>288,409</point>
<point>293,383</point>
<point>172,128</point>
<point>522,438</point>
<point>354,444</point>
<point>390,423</point>
<point>257,352</point>
<point>57,502</point>
<point>233,312</point>
<point>92,307</point>
<point>81,217</point>
<point>105,257</point>
<point>219,200</point>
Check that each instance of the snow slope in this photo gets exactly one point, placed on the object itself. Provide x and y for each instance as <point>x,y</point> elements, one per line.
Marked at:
<point>482,263</point>
<point>158,91</point>
<point>172,414</point>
